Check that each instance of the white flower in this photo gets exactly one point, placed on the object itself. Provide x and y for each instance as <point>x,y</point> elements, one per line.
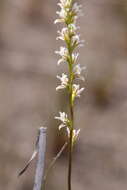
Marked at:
<point>77,9</point>
<point>77,90</point>
<point>63,117</point>
<point>63,35</point>
<point>66,127</point>
<point>75,134</point>
<point>77,71</point>
<point>58,20</point>
<point>76,41</point>
<point>65,121</point>
<point>64,81</point>
<point>73,27</point>
<point>63,53</point>
<point>62,13</point>
<point>74,57</point>
<point>66,7</point>
<point>64,3</point>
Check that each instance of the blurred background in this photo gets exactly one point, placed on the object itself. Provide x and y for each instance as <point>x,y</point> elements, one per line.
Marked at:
<point>28,98</point>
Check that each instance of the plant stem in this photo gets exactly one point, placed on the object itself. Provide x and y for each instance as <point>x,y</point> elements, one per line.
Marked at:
<point>70,152</point>
<point>70,65</point>
<point>72,126</point>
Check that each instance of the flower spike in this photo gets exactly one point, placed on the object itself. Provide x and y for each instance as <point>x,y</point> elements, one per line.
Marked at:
<point>67,15</point>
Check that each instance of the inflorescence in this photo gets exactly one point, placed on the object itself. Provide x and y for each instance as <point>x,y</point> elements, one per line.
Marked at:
<point>68,15</point>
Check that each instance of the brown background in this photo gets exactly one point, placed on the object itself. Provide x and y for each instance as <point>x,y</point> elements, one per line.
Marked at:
<point>28,98</point>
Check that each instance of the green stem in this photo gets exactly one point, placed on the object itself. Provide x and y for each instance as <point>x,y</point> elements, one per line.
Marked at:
<point>72,125</point>
<point>70,151</point>
<point>70,65</point>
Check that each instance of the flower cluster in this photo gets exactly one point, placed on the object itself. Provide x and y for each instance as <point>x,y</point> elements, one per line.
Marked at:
<point>64,81</point>
<point>65,122</point>
<point>68,14</point>
<point>69,11</point>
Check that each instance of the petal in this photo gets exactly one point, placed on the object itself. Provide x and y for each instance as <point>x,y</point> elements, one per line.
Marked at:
<point>61,126</point>
<point>68,131</point>
<point>60,87</point>
<point>59,61</point>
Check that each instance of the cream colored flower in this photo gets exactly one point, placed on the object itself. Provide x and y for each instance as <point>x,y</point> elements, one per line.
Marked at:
<point>64,81</point>
<point>78,70</point>
<point>77,90</point>
<point>63,53</point>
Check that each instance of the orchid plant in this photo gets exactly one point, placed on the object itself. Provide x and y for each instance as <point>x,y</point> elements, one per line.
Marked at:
<point>68,15</point>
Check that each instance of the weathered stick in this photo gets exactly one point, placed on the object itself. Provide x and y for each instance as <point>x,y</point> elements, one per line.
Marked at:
<point>54,161</point>
<point>41,159</point>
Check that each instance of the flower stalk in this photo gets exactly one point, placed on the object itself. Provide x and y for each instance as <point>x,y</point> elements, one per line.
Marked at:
<point>68,14</point>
